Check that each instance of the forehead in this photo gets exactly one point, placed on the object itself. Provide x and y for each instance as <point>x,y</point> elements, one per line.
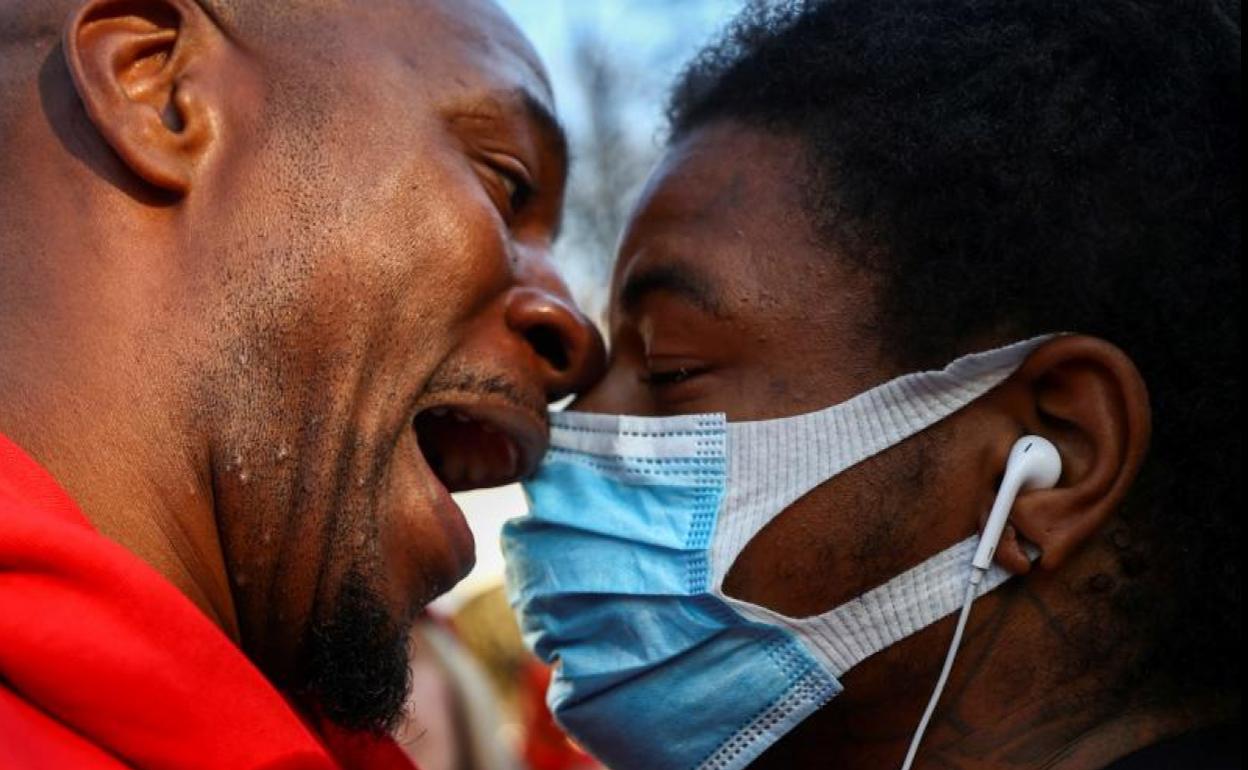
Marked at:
<point>723,250</point>
<point>453,48</point>
<point>725,203</point>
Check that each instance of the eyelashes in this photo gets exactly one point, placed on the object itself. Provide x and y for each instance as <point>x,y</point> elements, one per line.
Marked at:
<point>518,189</point>
<point>669,377</point>
<point>511,184</point>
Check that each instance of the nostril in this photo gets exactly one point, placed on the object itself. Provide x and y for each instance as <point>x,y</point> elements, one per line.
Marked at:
<point>570,349</point>
<point>549,345</point>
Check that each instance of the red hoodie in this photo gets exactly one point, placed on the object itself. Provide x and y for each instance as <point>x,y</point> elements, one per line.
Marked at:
<point>105,664</point>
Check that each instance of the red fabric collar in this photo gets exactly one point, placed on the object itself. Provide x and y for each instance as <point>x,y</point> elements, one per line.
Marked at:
<point>104,663</point>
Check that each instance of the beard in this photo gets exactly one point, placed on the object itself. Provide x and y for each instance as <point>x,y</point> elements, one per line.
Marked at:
<point>299,491</point>
<point>353,664</point>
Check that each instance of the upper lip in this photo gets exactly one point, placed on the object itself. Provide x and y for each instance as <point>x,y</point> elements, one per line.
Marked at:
<point>474,440</point>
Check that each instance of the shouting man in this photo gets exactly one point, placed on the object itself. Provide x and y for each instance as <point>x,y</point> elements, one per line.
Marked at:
<point>273,282</point>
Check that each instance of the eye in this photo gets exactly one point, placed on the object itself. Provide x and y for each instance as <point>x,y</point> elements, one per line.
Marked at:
<point>509,182</point>
<point>517,188</point>
<point>674,376</point>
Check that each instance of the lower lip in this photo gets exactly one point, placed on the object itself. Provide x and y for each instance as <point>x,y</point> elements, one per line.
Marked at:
<point>461,545</point>
<point>458,534</point>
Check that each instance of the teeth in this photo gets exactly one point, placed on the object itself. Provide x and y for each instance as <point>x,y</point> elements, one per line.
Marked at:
<point>464,459</point>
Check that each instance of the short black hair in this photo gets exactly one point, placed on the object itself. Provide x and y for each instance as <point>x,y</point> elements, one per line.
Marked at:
<point>1008,168</point>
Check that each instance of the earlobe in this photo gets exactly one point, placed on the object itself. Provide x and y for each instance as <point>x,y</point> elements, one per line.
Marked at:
<point>131,65</point>
<point>1087,397</point>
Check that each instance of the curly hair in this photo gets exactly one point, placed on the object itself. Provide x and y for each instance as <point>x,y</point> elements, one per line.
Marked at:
<point>1013,167</point>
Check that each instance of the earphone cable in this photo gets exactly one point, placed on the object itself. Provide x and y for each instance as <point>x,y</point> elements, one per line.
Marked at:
<point>969,599</point>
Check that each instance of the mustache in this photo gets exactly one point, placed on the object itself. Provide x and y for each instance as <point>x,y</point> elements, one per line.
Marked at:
<point>461,380</point>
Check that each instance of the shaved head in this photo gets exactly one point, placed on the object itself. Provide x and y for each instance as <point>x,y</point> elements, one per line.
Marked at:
<point>29,19</point>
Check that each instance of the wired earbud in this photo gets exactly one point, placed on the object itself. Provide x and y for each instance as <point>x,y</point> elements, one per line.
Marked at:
<point>1034,463</point>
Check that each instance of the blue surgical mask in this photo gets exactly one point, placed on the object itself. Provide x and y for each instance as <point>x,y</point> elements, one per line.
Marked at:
<point>617,571</point>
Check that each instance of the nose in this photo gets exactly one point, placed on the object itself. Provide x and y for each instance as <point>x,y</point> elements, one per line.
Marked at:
<point>569,350</point>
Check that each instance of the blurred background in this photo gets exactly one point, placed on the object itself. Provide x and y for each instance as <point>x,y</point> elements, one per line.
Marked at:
<point>477,700</point>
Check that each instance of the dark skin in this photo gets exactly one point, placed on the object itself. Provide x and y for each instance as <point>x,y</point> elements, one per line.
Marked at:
<point>725,299</point>
<point>237,265</point>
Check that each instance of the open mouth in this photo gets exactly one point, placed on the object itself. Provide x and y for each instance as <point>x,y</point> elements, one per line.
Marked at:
<point>471,446</point>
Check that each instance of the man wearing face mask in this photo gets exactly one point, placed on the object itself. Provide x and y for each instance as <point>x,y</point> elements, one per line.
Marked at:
<point>889,239</point>
<point>274,282</point>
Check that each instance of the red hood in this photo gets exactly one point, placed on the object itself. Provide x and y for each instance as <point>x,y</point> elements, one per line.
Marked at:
<point>104,663</point>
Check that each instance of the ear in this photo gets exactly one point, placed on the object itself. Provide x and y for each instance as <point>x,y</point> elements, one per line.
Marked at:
<point>134,63</point>
<point>1087,397</point>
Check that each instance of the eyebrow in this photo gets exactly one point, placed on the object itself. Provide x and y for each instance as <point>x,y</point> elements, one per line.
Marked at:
<point>548,125</point>
<point>500,104</point>
<point>676,279</point>
<point>556,137</point>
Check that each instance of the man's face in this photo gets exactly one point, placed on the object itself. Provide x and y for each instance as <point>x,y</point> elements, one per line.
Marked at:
<point>725,299</point>
<point>392,331</point>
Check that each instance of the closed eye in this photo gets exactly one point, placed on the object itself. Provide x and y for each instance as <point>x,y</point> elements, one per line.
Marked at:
<point>515,186</point>
<point>519,191</point>
<point>675,376</point>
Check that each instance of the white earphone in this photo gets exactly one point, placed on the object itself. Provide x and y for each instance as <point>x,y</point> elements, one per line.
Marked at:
<point>1034,463</point>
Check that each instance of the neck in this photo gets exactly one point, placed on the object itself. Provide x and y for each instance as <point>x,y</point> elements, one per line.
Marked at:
<point>1024,694</point>
<point>1060,735</point>
<point>93,400</point>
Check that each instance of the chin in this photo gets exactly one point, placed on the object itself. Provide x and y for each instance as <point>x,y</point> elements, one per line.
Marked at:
<point>352,667</point>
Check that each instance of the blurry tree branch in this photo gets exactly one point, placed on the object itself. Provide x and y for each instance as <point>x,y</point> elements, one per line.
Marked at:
<point>620,83</point>
<point>609,165</point>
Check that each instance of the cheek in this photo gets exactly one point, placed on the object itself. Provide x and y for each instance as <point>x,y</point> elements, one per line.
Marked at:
<point>801,563</point>
<point>620,391</point>
<point>439,242</point>
<point>850,534</point>
<point>410,269</point>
